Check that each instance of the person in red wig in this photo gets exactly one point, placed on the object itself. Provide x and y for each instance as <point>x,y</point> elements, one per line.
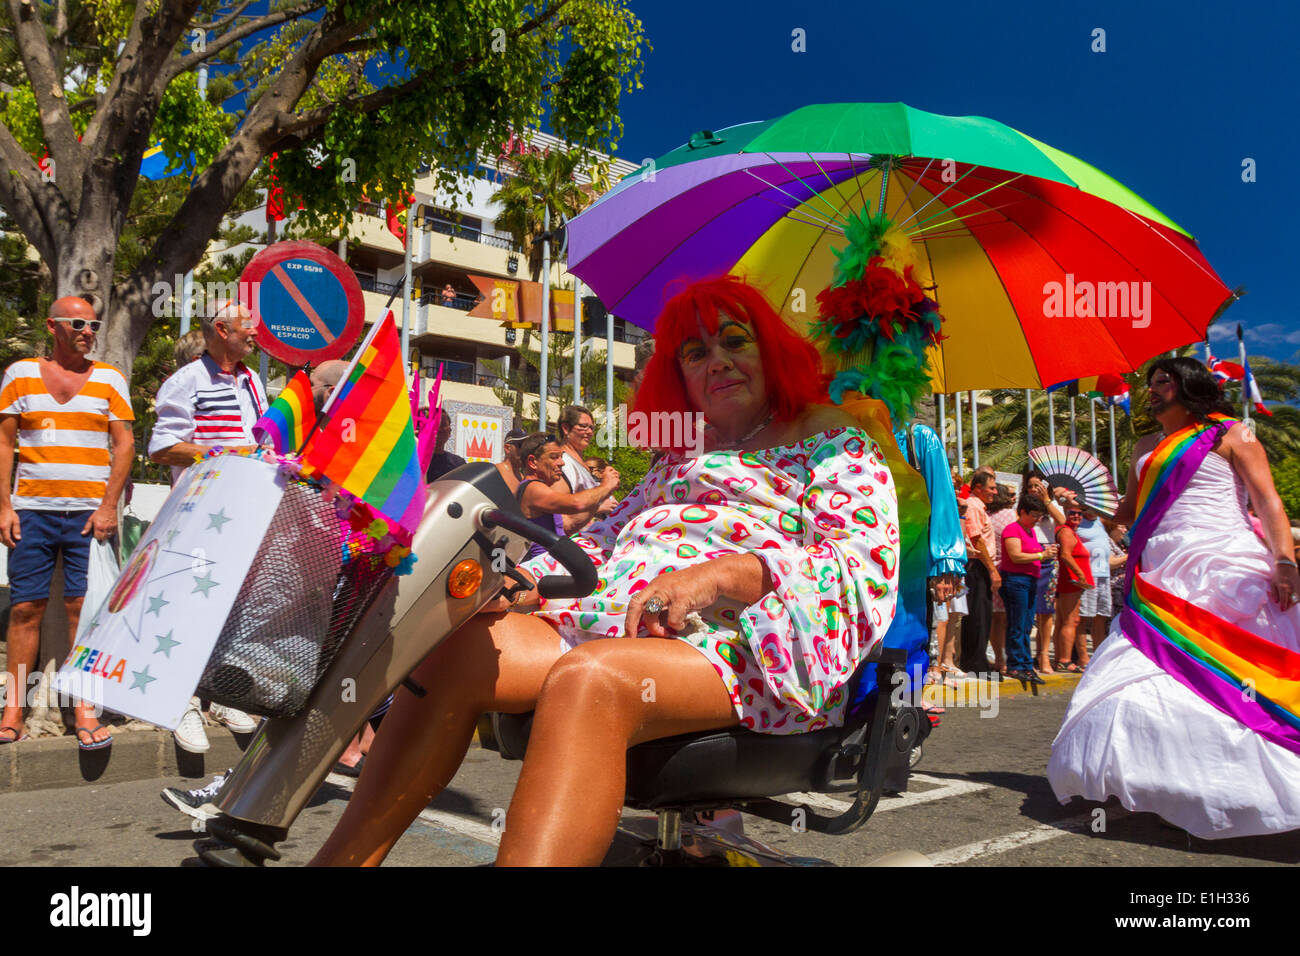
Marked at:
<point>757,574</point>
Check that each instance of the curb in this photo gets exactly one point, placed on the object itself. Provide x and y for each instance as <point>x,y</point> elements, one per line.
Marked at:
<point>970,688</point>
<point>46,763</point>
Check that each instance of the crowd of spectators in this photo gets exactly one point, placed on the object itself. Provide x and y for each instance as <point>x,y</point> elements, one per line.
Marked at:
<point>1042,583</point>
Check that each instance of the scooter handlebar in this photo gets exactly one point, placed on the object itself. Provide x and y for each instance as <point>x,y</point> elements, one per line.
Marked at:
<point>581,579</point>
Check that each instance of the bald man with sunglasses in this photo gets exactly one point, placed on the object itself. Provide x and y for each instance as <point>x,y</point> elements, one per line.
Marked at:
<point>69,418</point>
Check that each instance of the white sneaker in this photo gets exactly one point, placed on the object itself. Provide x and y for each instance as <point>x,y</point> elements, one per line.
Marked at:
<point>189,733</point>
<point>238,721</point>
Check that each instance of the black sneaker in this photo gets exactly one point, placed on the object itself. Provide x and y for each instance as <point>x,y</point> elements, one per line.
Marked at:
<point>196,803</point>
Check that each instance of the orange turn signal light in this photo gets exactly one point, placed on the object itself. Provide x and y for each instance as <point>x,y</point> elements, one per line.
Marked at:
<point>465,578</point>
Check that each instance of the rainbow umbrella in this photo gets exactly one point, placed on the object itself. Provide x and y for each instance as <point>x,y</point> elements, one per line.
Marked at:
<point>1044,268</point>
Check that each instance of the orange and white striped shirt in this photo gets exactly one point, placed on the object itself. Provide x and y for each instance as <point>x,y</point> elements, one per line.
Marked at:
<point>63,451</point>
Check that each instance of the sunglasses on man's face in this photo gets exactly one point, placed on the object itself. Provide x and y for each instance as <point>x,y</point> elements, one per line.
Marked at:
<point>79,324</point>
<point>1074,514</point>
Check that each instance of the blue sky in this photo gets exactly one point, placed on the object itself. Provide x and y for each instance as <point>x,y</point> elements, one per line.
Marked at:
<point>1181,96</point>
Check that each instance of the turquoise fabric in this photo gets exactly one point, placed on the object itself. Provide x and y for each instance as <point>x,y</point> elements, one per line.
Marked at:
<point>947,541</point>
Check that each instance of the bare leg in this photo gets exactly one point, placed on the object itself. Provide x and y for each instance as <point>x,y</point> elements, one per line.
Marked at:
<point>495,662</point>
<point>1082,633</point>
<point>1045,643</point>
<point>1099,627</point>
<point>24,644</point>
<point>1067,623</point>
<point>998,638</point>
<point>598,700</point>
<point>944,649</point>
<point>87,715</point>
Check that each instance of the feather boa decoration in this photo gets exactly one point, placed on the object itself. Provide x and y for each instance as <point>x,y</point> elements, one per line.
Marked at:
<point>876,317</point>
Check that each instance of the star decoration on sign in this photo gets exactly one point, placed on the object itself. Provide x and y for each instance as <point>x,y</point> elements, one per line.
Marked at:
<point>142,680</point>
<point>156,604</point>
<point>204,584</point>
<point>171,535</point>
<point>217,519</point>
<point>165,644</point>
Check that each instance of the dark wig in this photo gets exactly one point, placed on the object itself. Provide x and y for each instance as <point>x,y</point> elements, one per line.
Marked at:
<point>1198,392</point>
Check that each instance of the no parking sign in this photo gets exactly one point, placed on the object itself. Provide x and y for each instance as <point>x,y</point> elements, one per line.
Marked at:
<point>306,300</point>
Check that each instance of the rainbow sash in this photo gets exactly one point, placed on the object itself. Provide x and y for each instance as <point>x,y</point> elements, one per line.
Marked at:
<point>1245,676</point>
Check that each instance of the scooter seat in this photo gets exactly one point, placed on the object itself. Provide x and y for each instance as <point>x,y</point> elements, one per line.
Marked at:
<point>719,766</point>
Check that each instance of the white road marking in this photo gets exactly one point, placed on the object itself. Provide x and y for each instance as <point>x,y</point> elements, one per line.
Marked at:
<point>438,818</point>
<point>1012,841</point>
<point>941,789</point>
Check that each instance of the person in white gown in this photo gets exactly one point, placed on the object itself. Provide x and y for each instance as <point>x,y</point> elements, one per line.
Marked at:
<point>1134,729</point>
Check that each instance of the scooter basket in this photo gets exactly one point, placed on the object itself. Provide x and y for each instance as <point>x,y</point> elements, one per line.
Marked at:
<point>310,581</point>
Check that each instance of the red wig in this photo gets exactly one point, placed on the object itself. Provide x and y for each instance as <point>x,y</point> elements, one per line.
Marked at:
<point>792,366</point>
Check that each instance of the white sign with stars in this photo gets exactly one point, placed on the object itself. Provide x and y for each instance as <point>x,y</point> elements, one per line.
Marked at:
<point>147,643</point>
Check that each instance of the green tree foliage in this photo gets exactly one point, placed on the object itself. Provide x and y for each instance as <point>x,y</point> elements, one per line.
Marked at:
<point>352,95</point>
<point>1286,476</point>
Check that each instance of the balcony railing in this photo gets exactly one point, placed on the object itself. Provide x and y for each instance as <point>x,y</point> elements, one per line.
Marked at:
<point>472,233</point>
<point>462,303</point>
<point>371,284</point>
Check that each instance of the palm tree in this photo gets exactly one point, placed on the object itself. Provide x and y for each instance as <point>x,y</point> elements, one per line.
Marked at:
<point>1003,427</point>
<point>542,181</point>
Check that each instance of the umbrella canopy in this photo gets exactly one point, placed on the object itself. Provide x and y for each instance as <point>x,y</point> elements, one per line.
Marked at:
<point>1044,268</point>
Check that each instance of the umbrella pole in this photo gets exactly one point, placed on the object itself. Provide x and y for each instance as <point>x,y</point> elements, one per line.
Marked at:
<point>1074,433</point>
<point>1092,420</point>
<point>1114,458</point>
<point>943,425</point>
<point>1051,420</point>
<point>961,459</point>
<point>1029,424</point>
<point>974,430</point>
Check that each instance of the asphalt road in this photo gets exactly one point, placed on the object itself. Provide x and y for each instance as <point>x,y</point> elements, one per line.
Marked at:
<point>980,799</point>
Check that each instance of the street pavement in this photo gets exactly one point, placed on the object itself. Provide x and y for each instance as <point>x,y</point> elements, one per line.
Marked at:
<point>980,798</point>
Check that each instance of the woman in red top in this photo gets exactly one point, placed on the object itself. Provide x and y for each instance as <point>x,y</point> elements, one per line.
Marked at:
<point>1075,578</point>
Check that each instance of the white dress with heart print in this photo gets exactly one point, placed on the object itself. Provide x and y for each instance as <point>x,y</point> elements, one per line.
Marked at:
<point>821,514</point>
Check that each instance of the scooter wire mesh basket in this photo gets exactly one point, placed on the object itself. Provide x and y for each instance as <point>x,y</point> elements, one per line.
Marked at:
<point>309,583</point>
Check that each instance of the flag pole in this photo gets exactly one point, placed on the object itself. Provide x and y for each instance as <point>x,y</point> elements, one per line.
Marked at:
<point>956,404</point>
<point>943,424</point>
<point>406,285</point>
<point>1245,381</point>
<point>1051,420</point>
<point>546,314</point>
<point>974,430</point>
<point>577,341</point>
<point>1074,432</point>
<point>1029,423</point>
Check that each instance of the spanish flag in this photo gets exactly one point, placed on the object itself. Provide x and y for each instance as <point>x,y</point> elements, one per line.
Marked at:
<point>290,418</point>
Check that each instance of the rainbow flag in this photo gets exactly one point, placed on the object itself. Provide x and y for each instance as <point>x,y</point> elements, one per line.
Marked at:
<point>290,418</point>
<point>367,443</point>
<point>1242,674</point>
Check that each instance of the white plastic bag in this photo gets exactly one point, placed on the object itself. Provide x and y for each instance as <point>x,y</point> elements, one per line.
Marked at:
<point>101,575</point>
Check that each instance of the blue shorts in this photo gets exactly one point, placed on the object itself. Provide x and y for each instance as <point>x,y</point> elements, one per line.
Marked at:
<point>31,563</point>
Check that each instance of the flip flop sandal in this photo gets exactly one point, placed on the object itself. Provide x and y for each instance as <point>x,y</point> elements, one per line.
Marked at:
<point>92,743</point>
<point>13,730</point>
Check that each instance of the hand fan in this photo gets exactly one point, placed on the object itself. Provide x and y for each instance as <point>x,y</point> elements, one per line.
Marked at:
<point>1076,470</point>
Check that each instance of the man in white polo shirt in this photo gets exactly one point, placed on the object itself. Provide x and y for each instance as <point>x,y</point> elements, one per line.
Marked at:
<point>213,401</point>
